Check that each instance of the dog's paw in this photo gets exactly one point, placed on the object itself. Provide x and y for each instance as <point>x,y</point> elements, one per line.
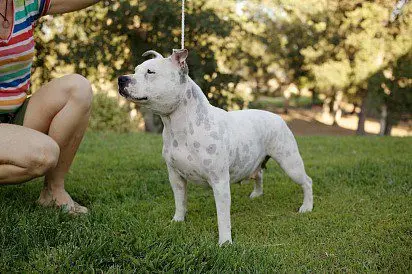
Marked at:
<point>305,208</point>
<point>178,219</point>
<point>255,194</point>
<point>225,242</point>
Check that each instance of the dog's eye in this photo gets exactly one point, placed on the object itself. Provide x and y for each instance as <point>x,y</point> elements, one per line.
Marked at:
<point>150,72</point>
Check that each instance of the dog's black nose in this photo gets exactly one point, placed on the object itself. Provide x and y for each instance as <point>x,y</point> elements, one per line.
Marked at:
<point>123,81</point>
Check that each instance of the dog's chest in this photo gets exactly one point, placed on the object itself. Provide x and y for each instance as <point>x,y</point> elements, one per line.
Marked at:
<point>184,160</point>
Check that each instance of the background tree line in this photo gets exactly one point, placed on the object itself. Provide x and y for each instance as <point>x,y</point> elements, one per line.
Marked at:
<point>341,50</point>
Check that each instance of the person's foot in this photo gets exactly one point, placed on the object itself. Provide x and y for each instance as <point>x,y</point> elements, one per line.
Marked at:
<point>60,199</point>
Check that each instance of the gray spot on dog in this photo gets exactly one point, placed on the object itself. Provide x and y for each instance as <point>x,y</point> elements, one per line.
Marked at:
<point>238,160</point>
<point>207,124</point>
<point>214,135</point>
<point>202,115</point>
<point>173,76</point>
<point>190,158</point>
<point>182,78</point>
<point>194,92</point>
<point>182,74</point>
<point>185,102</point>
<point>207,162</point>
<point>191,130</point>
<point>196,144</point>
<point>246,148</point>
<point>188,94</point>
<point>211,149</point>
<point>175,143</point>
<point>222,128</point>
<point>166,145</point>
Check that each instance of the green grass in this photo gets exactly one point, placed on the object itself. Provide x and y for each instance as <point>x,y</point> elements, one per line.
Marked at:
<point>361,221</point>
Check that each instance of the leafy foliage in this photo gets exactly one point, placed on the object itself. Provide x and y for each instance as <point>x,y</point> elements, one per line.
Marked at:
<point>107,40</point>
<point>239,50</point>
<point>108,116</point>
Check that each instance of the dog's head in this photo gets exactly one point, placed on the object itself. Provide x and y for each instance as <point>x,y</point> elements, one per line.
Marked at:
<point>158,83</point>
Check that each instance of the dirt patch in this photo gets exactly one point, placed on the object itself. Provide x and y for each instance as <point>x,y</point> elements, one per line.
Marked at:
<point>313,122</point>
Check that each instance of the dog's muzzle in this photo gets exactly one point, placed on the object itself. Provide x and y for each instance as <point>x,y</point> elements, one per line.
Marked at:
<point>123,82</point>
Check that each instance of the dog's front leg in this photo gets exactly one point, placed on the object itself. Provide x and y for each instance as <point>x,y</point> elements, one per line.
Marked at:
<point>221,191</point>
<point>179,186</point>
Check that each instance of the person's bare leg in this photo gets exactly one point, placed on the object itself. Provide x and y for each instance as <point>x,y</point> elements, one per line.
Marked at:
<point>61,109</point>
<point>25,154</point>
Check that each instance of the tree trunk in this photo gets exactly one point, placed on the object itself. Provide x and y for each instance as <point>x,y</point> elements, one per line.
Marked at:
<point>286,105</point>
<point>383,120</point>
<point>314,96</point>
<point>354,109</point>
<point>362,118</point>
<point>257,86</point>
<point>388,129</point>
<point>331,104</point>
<point>326,110</point>
<point>337,111</point>
<point>390,122</point>
<point>286,95</point>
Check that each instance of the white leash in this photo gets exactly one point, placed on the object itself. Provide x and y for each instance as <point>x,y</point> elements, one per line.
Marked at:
<point>183,24</point>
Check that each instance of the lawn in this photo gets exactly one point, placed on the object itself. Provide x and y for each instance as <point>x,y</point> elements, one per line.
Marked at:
<point>362,220</point>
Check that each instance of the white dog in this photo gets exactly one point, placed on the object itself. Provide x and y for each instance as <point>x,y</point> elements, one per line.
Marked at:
<point>205,144</point>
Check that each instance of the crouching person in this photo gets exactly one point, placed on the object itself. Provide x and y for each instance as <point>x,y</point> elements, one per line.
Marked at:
<point>40,135</point>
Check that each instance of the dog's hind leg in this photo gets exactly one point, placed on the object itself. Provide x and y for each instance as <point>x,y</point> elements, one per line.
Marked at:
<point>285,151</point>
<point>258,188</point>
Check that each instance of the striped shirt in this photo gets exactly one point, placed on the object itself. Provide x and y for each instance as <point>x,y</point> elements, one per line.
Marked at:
<point>17,52</point>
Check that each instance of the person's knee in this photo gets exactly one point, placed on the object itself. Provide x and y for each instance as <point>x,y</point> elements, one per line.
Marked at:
<point>81,91</point>
<point>44,156</point>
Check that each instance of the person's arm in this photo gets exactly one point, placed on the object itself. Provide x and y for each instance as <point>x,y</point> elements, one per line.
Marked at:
<point>63,6</point>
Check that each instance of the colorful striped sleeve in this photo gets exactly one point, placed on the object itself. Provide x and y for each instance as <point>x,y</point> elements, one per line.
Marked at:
<point>43,7</point>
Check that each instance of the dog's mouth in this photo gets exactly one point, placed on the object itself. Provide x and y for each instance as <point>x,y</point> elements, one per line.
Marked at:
<point>140,99</point>
<point>133,98</point>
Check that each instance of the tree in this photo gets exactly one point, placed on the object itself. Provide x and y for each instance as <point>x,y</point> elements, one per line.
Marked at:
<point>107,40</point>
<point>336,48</point>
<point>356,43</point>
<point>393,86</point>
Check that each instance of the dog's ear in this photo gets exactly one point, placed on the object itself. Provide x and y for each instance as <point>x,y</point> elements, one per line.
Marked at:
<point>179,57</point>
